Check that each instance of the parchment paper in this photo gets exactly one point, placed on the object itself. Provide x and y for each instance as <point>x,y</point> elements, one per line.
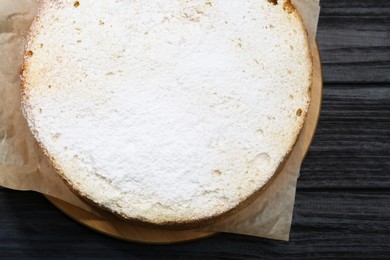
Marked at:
<point>23,167</point>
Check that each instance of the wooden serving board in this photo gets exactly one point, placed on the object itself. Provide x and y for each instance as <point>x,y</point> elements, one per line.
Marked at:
<point>108,224</point>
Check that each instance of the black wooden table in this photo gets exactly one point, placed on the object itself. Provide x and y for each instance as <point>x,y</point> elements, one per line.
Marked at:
<point>343,199</point>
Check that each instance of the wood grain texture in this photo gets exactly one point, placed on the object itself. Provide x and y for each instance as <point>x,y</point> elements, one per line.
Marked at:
<point>351,148</point>
<point>354,39</point>
<point>343,198</point>
<point>327,224</point>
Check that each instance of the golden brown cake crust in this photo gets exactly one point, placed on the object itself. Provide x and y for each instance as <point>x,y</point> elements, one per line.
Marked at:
<point>184,224</point>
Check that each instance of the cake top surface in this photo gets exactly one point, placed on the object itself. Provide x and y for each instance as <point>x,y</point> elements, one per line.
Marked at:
<point>166,111</point>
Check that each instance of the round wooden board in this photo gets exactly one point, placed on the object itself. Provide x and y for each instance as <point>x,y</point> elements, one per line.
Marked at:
<point>108,224</point>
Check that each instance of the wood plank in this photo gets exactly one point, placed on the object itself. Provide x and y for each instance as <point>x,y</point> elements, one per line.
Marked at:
<point>327,224</point>
<point>354,40</point>
<point>351,148</point>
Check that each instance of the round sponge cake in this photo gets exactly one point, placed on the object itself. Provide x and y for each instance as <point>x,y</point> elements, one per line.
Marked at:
<point>171,113</point>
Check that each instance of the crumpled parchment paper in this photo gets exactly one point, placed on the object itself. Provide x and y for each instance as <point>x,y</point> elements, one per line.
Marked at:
<point>23,166</point>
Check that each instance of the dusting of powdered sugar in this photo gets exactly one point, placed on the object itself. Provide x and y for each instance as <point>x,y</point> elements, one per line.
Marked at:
<point>168,110</point>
